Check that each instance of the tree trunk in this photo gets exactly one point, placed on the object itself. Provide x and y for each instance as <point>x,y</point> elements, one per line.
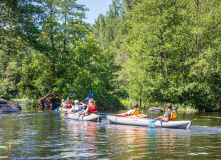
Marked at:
<point>52,39</point>
<point>64,41</point>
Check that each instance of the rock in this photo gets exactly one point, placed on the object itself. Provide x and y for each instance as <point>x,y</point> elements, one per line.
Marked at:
<point>18,106</point>
<point>6,106</point>
<point>48,102</point>
<point>154,109</point>
<point>162,108</point>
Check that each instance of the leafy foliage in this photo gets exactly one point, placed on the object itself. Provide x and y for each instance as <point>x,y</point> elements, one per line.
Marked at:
<point>171,50</point>
<point>148,51</point>
<point>53,53</point>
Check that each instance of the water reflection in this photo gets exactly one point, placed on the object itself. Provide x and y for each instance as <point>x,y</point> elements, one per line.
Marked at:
<point>48,135</point>
<point>168,142</point>
<point>82,135</point>
<point>142,142</point>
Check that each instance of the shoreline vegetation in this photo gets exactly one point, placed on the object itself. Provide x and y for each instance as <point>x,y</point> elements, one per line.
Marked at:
<point>151,51</point>
<point>127,105</point>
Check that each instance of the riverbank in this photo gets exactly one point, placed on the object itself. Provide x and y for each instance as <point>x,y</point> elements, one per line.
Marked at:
<point>19,100</point>
<point>145,106</point>
<point>127,104</point>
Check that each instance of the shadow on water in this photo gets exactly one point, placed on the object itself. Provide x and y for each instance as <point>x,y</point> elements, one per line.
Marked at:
<point>33,134</point>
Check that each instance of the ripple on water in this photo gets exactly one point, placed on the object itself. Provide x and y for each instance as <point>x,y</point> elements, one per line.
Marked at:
<point>63,138</point>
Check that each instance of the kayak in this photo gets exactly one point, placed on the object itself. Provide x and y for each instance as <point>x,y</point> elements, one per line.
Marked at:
<point>64,109</point>
<point>135,120</point>
<point>60,109</point>
<point>92,117</point>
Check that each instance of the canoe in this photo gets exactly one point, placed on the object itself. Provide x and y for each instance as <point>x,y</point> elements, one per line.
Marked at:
<point>92,117</point>
<point>134,120</point>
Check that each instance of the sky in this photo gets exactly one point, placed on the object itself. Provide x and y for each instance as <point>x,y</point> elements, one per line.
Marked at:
<point>95,7</point>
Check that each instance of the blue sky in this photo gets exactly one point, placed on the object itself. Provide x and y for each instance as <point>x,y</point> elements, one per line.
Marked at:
<point>95,7</point>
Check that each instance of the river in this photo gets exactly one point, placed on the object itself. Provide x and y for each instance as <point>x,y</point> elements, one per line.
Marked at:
<point>33,134</point>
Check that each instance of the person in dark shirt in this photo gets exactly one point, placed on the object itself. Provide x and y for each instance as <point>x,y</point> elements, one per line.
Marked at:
<point>167,115</point>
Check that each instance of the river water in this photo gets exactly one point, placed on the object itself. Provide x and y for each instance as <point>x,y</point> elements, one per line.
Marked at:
<point>33,134</point>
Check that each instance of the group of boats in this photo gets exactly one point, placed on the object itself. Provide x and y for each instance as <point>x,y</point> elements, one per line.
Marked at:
<point>139,120</point>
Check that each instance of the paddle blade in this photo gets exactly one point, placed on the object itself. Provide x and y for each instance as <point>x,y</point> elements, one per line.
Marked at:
<point>89,96</point>
<point>152,123</point>
<point>72,92</point>
<point>56,110</point>
<point>176,108</point>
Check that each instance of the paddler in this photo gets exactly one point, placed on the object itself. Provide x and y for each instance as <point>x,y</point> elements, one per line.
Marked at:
<point>169,115</point>
<point>91,108</point>
<point>134,111</point>
<point>69,105</point>
<point>63,103</point>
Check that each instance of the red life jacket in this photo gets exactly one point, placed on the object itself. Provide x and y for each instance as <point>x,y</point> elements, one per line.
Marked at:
<point>92,108</point>
<point>69,105</point>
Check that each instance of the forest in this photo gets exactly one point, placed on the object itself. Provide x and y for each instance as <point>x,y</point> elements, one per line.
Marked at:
<point>149,51</point>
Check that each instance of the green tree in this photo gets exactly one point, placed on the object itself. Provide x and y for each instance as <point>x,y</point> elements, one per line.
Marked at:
<point>172,52</point>
<point>19,22</point>
<point>93,70</point>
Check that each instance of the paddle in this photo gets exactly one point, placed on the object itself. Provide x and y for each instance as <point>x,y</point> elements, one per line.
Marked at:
<point>71,94</point>
<point>152,123</point>
<point>56,110</point>
<point>104,114</point>
<point>89,96</point>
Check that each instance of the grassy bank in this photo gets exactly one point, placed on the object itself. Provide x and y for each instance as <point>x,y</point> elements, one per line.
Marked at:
<point>20,99</point>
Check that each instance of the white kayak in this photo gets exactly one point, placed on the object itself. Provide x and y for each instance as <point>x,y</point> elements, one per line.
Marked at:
<point>64,109</point>
<point>135,120</point>
<point>92,117</point>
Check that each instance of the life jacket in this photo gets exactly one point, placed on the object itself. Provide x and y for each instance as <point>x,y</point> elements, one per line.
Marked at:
<point>68,105</point>
<point>76,107</point>
<point>92,109</point>
<point>136,112</point>
<point>63,104</point>
<point>173,115</point>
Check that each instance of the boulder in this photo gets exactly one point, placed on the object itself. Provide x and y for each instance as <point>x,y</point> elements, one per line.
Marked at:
<point>48,102</point>
<point>6,106</point>
<point>154,109</point>
<point>18,106</point>
<point>162,108</point>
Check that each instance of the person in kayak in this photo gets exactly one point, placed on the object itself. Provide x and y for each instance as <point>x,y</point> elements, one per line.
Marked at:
<point>76,107</point>
<point>134,111</point>
<point>69,105</point>
<point>62,103</point>
<point>168,115</point>
<point>91,108</point>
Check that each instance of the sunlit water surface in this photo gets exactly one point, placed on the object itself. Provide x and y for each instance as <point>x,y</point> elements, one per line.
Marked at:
<point>33,134</point>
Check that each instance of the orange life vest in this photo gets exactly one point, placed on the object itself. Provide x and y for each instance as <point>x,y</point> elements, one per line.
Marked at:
<point>69,105</point>
<point>173,115</point>
<point>136,112</point>
<point>92,108</point>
